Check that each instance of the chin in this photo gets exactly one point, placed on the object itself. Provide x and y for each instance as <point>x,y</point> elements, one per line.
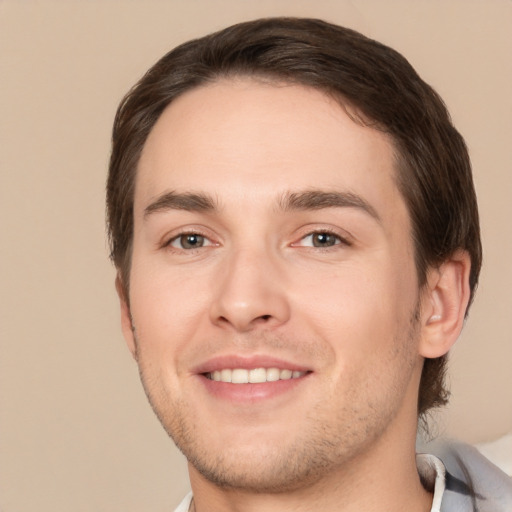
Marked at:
<point>260,471</point>
<point>270,462</point>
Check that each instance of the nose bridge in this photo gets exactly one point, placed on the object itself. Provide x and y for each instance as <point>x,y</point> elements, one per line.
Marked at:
<point>251,291</point>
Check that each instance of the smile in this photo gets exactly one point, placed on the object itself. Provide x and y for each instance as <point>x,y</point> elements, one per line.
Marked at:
<point>254,376</point>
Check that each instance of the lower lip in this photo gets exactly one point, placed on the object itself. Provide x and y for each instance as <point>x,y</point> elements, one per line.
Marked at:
<point>250,393</point>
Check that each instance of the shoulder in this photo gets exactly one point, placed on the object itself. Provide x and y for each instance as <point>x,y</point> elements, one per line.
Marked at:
<point>472,481</point>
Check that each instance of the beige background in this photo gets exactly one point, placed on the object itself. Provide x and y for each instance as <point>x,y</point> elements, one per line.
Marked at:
<point>76,433</point>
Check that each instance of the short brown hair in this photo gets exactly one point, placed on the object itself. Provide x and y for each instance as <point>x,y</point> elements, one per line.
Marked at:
<point>433,167</point>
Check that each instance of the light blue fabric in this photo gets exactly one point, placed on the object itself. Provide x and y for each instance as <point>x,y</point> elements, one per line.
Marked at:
<point>467,469</point>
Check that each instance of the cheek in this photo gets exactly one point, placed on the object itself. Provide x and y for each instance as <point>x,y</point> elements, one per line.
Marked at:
<point>360,310</point>
<point>343,296</point>
<point>365,319</point>
<point>165,306</point>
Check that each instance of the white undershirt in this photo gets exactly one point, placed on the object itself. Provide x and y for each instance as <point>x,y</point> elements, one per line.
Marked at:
<point>432,469</point>
<point>429,466</point>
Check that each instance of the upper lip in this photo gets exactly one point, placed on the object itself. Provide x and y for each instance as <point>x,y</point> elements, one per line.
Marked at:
<point>247,362</point>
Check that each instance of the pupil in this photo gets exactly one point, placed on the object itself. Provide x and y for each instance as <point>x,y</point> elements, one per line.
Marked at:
<point>323,239</point>
<point>191,241</point>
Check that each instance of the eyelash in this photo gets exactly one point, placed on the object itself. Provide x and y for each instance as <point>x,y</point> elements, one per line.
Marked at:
<point>169,243</point>
<point>340,240</point>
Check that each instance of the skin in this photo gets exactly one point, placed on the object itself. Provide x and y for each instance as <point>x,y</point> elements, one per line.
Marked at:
<point>326,284</point>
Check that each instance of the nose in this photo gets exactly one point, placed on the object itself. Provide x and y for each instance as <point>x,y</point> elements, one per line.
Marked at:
<point>251,293</point>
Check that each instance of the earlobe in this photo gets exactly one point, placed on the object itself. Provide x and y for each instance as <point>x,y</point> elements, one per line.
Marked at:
<point>444,304</point>
<point>126,317</point>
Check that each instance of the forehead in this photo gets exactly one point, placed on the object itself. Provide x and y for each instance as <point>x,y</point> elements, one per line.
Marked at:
<point>245,140</point>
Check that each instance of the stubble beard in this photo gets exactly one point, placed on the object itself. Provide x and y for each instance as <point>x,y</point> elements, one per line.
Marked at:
<point>326,443</point>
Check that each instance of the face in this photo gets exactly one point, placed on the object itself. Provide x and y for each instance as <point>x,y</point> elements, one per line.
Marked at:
<point>273,290</point>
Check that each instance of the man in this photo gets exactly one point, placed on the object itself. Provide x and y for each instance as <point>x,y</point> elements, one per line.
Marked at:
<point>295,228</point>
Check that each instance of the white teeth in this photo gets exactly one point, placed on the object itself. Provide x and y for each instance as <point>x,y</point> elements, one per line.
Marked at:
<point>240,376</point>
<point>225,375</point>
<point>255,376</point>
<point>258,375</point>
<point>272,374</point>
<point>285,374</point>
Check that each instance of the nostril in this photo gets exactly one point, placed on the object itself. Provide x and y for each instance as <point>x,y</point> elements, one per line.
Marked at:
<point>265,317</point>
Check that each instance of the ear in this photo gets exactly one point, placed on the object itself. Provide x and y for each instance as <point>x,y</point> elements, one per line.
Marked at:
<point>444,302</point>
<point>126,317</point>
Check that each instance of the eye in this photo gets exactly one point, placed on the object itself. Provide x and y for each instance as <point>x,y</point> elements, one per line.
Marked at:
<point>321,239</point>
<point>189,241</point>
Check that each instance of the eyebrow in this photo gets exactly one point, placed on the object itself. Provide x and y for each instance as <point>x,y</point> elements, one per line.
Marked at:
<point>290,201</point>
<point>192,202</point>
<point>319,199</point>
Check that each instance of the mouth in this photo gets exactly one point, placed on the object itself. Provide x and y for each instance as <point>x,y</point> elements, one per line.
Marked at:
<point>253,376</point>
<point>251,379</point>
